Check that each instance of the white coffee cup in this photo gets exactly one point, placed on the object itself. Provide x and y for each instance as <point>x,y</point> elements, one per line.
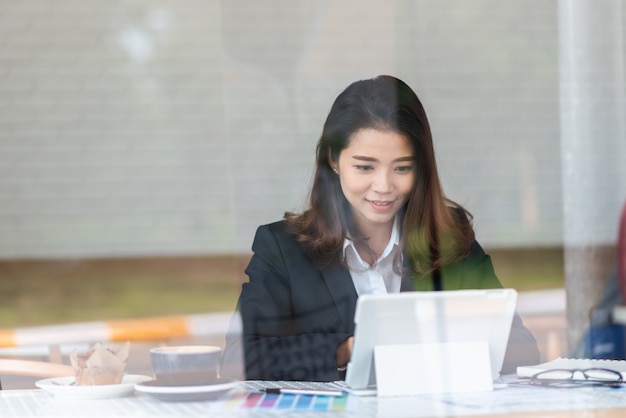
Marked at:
<point>188,364</point>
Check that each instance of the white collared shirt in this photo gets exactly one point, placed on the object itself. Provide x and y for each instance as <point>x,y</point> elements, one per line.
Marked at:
<point>381,278</point>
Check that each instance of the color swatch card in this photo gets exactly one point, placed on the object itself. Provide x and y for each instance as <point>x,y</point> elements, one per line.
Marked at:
<point>282,402</point>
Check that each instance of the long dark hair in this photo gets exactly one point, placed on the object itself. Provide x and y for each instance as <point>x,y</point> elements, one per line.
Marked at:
<point>435,230</point>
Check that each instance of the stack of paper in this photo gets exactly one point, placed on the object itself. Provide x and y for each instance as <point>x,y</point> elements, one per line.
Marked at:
<point>573,363</point>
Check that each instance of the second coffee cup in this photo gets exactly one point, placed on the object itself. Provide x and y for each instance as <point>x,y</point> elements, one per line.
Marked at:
<point>186,365</point>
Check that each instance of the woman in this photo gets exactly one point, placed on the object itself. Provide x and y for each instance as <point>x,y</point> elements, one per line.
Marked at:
<point>377,221</point>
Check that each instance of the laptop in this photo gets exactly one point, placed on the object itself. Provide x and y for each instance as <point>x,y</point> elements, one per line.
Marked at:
<point>421,317</point>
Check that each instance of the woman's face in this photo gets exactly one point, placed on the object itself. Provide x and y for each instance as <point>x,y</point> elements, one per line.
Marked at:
<point>376,176</point>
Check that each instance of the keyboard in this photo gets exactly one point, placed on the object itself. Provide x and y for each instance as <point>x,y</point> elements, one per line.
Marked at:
<point>289,385</point>
<point>260,385</point>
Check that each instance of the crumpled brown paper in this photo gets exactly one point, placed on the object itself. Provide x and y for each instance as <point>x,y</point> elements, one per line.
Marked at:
<point>100,365</point>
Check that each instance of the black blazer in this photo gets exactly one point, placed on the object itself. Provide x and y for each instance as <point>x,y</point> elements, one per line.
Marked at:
<point>294,314</point>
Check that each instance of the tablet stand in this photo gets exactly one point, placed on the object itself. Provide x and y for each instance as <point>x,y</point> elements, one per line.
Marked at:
<point>413,369</point>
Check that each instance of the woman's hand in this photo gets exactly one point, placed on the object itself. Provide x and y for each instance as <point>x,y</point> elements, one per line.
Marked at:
<point>343,353</point>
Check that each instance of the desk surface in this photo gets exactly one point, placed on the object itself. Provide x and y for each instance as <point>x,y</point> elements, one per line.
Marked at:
<point>513,401</point>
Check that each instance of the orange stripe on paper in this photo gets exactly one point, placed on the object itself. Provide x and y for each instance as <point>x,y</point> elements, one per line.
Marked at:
<point>148,329</point>
<point>7,338</point>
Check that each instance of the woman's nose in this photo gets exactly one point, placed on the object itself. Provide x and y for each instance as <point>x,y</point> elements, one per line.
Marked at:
<point>382,182</point>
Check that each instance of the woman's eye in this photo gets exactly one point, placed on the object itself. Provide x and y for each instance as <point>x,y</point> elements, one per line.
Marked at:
<point>404,168</point>
<point>364,167</point>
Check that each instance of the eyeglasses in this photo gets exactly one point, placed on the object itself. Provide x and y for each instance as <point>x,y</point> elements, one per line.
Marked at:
<point>567,378</point>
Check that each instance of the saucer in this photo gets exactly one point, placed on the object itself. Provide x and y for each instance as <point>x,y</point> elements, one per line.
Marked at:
<point>64,387</point>
<point>168,392</point>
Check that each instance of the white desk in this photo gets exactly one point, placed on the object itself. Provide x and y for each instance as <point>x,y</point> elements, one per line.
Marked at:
<point>513,401</point>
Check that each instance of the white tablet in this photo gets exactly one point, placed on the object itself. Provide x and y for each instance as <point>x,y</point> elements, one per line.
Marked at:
<point>429,317</point>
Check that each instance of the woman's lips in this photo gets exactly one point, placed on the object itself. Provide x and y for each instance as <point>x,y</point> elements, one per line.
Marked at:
<point>381,205</point>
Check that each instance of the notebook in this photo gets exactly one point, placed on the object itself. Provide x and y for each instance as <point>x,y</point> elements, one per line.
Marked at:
<point>429,317</point>
<point>573,363</point>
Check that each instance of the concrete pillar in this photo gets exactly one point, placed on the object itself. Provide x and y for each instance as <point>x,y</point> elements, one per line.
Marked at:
<point>592,149</point>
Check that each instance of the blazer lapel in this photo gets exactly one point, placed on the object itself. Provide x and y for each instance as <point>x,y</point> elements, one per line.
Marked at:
<point>406,285</point>
<point>339,283</point>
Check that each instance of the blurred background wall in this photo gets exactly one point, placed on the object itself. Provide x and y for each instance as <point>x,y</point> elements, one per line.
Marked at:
<point>162,128</point>
<point>165,127</point>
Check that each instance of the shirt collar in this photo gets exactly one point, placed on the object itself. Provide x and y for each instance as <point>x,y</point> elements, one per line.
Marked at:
<point>394,240</point>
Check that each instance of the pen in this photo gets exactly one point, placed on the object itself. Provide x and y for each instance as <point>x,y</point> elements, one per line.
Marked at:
<point>322,392</point>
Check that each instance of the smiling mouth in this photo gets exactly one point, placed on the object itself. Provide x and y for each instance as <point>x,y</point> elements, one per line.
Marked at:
<point>382,204</point>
